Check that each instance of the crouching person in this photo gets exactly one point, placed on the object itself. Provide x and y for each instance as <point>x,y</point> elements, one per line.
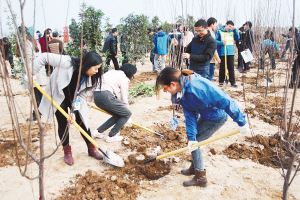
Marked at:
<point>114,82</point>
<point>198,95</point>
<point>61,87</point>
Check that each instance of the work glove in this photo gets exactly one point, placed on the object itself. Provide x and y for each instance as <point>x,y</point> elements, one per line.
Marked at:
<point>190,143</point>
<point>33,77</point>
<point>89,104</point>
<point>245,129</point>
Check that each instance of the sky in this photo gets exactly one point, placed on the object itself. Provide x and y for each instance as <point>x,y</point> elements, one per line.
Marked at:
<point>56,14</point>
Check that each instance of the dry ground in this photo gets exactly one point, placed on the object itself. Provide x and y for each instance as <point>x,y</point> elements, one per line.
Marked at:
<point>230,176</point>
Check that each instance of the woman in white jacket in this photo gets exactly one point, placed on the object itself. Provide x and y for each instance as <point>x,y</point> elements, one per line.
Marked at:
<point>62,88</point>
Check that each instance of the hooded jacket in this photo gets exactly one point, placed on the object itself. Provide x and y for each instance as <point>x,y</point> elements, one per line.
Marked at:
<point>202,51</point>
<point>229,47</point>
<point>161,41</point>
<point>202,96</point>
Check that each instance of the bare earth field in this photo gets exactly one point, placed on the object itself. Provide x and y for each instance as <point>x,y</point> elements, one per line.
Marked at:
<point>238,167</point>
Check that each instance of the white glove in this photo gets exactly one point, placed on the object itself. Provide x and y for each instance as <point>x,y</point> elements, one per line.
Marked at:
<point>89,104</point>
<point>190,143</point>
<point>26,77</point>
<point>245,129</point>
<point>129,121</point>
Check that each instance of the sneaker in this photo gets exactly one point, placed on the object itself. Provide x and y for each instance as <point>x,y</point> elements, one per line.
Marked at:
<point>221,84</point>
<point>115,138</point>
<point>97,134</point>
<point>234,85</point>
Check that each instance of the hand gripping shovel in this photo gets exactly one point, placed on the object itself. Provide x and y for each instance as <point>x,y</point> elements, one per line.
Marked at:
<point>194,145</point>
<point>110,157</point>
<point>151,131</point>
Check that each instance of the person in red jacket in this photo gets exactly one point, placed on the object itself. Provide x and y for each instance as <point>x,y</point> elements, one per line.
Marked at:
<point>45,48</point>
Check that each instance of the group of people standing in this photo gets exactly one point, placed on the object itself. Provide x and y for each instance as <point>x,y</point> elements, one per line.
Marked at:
<point>204,49</point>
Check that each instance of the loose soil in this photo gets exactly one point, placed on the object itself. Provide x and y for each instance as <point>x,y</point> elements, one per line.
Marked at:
<point>269,151</point>
<point>11,151</point>
<point>267,109</point>
<point>145,76</point>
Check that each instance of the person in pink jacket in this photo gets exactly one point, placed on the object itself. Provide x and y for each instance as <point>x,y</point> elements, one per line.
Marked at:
<point>113,83</point>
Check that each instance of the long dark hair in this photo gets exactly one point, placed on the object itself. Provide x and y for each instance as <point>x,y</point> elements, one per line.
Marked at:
<point>89,60</point>
<point>170,74</point>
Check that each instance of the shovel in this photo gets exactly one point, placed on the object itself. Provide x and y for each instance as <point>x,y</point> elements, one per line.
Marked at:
<point>226,71</point>
<point>110,157</point>
<point>151,131</point>
<point>194,145</point>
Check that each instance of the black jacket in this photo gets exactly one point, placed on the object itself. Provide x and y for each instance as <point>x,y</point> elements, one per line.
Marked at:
<point>110,45</point>
<point>201,51</point>
<point>246,40</point>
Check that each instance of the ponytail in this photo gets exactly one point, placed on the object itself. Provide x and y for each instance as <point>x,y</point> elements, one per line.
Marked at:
<point>168,75</point>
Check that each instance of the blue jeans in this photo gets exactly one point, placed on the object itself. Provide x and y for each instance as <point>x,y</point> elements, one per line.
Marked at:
<point>205,129</point>
<point>211,71</point>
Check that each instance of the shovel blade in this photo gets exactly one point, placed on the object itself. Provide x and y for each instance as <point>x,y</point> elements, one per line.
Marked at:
<point>113,159</point>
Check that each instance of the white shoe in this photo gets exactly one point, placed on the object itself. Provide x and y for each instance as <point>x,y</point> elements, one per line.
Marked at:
<point>97,134</point>
<point>115,138</point>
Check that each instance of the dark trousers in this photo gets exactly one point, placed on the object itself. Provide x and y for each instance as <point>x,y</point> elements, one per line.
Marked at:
<point>270,52</point>
<point>38,96</point>
<point>230,68</point>
<point>125,58</point>
<point>11,62</point>
<point>294,72</point>
<point>115,61</point>
<point>63,127</point>
<point>152,57</point>
<point>114,106</point>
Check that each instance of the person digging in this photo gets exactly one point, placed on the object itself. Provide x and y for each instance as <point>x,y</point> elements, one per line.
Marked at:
<point>199,95</point>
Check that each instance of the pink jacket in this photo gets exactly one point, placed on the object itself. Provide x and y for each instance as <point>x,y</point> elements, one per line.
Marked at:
<point>116,82</point>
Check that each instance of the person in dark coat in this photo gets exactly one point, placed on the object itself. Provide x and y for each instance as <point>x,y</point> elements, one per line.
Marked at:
<point>110,47</point>
<point>201,50</point>
<point>7,54</point>
<point>246,41</point>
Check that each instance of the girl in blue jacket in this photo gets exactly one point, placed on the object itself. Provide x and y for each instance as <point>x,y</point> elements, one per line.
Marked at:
<point>198,95</point>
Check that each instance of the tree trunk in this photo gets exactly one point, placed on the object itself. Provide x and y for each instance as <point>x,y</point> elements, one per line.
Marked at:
<point>41,166</point>
<point>286,184</point>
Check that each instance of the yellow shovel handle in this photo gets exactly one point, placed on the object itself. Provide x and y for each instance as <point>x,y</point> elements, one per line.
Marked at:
<point>168,52</point>
<point>226,71</point>
<point>131,122</point>
<point>64,113</point>
<point>198,144</point>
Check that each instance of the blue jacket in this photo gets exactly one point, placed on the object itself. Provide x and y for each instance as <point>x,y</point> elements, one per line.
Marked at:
<point>204,97</point>
<point>161,43</point>
<point>201,51</point>
<point>221,47</point>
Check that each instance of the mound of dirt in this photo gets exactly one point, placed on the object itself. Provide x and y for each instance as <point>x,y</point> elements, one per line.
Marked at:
<point>141,139</point>
<point>10,150</point>
<point>273,153</point>
<point>95,186</point>
<point>269,110</point>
